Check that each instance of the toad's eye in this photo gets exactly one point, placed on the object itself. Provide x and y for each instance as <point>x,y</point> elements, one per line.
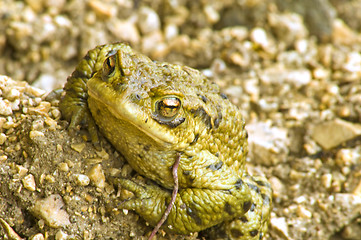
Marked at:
<point>109,66</point>
<point>167,108</point>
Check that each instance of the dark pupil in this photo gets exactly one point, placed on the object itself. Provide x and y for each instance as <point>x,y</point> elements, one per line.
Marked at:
<point>110,64</point>
<point>168,109</point>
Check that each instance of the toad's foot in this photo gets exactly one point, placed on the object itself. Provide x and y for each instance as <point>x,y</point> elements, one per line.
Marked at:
<point>194,209</point>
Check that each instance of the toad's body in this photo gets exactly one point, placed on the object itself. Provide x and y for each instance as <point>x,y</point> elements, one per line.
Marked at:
<point>151,111</point>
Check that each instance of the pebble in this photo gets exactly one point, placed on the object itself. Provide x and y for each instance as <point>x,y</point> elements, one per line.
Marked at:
<point>60,235</point>
<point>5,107</point>
<point>96,175</point>
<point>103,9</point>
<point>289,27</point>
<point>38,236</point>
<point>51,210</point>
<point>29,182</point>
<point>148,20</point>
<point>64,167</point>
<point>332,133</point>
<point>2,138</point>
<point>36,135</point>
<point>268,145</point>
<point>170,31</point>
<point>326,180</point>
<point>124,30</point>
<point>212,14</point>
<point>81,179</point>
<point>79,147</point>
<point>303,212</point>
<point>22,171</point>
<point>280,225</point>
<point>278,187</point>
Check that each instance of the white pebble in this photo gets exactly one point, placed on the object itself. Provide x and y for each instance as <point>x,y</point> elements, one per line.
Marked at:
<point>29,182</point>
<point>97,176</point>
<point>5,107</point>
<point>148,20</point>
<point>81,179</point>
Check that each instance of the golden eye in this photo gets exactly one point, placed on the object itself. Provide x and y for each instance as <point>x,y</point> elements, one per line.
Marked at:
<point>109,65</point>
<point>167,108</point>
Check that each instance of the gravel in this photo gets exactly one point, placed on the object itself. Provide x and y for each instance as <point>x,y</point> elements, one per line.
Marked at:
<point>295,75</point>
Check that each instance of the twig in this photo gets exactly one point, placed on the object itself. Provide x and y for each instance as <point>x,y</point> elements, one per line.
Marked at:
<point>174,195</point>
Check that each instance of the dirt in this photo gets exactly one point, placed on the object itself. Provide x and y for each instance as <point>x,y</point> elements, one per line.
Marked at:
<point>295,77</point>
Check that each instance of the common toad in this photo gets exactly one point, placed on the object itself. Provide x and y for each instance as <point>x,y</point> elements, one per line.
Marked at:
<point>151,111</point>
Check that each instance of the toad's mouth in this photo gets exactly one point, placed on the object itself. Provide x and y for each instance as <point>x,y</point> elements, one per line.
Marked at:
<point>125,110</point>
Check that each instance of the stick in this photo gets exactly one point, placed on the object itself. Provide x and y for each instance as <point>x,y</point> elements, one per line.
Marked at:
<point>174,195</point>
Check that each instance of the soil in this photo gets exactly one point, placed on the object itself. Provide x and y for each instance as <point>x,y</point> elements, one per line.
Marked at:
<point>295,75</point>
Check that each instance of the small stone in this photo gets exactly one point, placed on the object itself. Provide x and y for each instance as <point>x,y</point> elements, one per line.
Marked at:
<point>326,180</point>
<point>38,236</point>
<point>5,107</point>
<point>268,145</point>
<point>148,20</point>
<point>46,82</point>
<point>332,133</point>
<point>51,123</point>
<point>43,108</point>
<point>353,62</point>
<point>170,31</point>
<point>29,182</point>
<point>124,30</point>
<point>22,171</point>
<point>64,167</point>
<point>3,158</point>
<point>151,41</point>
<point>2,138</point>
<point>211,14</point>
<point>50,209</point>
<point>299,78</point>
<point>96,175</point>
<point>12,94</point>
<point>278,187</point>
<point>37,124</point>
<point>303,212</point>
<point>81,179</point>
<point>289,27</point>
<point>357,190</point>
<point>78,147</point>
<point>60,235</point>
<point>56,113</point>
<point>280,225</point>
<point>103,154</point>
<point>347,157</point>
<point>102,9</point>
<point>342,34</point>
<point>36,135</point>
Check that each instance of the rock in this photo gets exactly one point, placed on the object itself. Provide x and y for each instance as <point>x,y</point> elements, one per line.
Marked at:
<point>29,182</point>
<point>268,145</point>
<point>103,9</point>
<point>50,209</point>
<point>332,133</point>
<point>124,30</point>
<point>148,20</point>
<point>289,27</point>
<point>81,179</point>
<point>96,175</point>
<point>5,107</point>
<point>280,225</point>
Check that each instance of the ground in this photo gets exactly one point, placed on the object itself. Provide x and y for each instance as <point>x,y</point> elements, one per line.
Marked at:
<point>296,77</point>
